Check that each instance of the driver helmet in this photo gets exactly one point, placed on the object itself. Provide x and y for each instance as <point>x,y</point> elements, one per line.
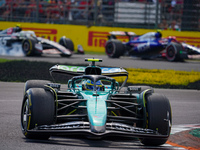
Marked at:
<point>158,34</point>
<point>89,85</point>
<point>18,28</point>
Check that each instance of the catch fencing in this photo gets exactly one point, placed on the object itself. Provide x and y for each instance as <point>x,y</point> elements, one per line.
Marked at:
<point>181,15</point>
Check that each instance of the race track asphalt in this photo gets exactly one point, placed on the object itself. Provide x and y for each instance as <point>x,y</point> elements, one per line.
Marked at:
<point>125,62</point>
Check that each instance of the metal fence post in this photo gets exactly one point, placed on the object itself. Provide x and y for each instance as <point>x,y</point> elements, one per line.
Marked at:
<point>156,23</point>
<point>95,12</point>
<point>11,12</point>
<point>37,12</point>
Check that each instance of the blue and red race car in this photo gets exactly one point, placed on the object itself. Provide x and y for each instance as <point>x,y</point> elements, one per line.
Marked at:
<point>148,46</point>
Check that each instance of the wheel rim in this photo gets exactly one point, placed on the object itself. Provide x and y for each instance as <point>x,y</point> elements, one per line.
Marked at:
<point>171,53</point>
<point>26,47</point>
<point>109,49</point>
<point>25,116</point>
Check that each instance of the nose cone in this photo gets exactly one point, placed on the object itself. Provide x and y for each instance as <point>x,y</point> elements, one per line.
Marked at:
<point>98,123</point>
<point>98,129</point>
<point>97,115</point>
<point>97,112</point>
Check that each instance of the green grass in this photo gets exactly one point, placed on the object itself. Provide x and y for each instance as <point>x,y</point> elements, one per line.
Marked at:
<point>161,78</point>
<point>4,60</point>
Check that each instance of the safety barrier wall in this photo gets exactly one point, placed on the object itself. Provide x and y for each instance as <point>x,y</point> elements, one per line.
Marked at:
<point>94,38</point>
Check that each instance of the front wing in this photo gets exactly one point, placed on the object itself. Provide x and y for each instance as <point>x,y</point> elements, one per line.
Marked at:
<point>83,128</point>
<point>51,47</point>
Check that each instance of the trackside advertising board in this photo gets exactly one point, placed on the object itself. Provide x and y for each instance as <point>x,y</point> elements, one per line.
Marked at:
<point>94,38</point>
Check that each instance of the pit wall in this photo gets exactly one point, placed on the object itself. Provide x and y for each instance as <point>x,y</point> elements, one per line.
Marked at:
<point>93,38</point>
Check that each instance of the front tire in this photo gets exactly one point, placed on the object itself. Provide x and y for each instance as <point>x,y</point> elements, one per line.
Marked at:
<point>35,84</point>
<point>38,108</point>
<point>158,118</point>
<point>114,48</point>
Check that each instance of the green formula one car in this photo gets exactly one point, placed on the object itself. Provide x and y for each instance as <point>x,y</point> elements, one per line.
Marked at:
<point>95,105</point>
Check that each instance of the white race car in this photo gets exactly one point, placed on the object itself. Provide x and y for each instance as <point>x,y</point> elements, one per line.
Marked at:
<point>32,45</point>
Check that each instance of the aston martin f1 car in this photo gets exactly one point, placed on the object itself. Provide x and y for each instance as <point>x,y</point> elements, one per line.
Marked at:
<point>148,46</point>
<point>33,45</point>
<point>95,105</point>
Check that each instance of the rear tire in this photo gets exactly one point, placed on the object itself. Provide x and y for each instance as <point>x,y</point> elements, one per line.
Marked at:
<point>114,48</point>
<point>158,118</point>
<point>38,108</point>
<point>173,52</point>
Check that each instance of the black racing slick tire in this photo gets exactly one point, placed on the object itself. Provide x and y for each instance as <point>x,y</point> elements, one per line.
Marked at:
<point>173,51</point>
<point>35,84</point>
<point>67,43</point>
<point>158,118</point>
<point>38,108</point>
<point>28,46</point>
<point>114,48</point>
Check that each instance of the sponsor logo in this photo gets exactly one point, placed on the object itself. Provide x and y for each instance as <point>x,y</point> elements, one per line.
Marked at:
<point>45,33</point>
<point>82,69</point>
<point>72,68</point>
<point>99,116</point>
<point>110,70</point>
<point>97,39</point>
<point>143,47</point>
<point>9,30</point>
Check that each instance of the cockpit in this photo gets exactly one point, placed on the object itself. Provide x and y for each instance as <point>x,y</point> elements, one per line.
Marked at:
<point>150,36</point>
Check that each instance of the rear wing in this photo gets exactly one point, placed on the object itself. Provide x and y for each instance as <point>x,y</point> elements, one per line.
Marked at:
<point>90,70</point>
<point>80,70</point>
<point>113,34</point>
